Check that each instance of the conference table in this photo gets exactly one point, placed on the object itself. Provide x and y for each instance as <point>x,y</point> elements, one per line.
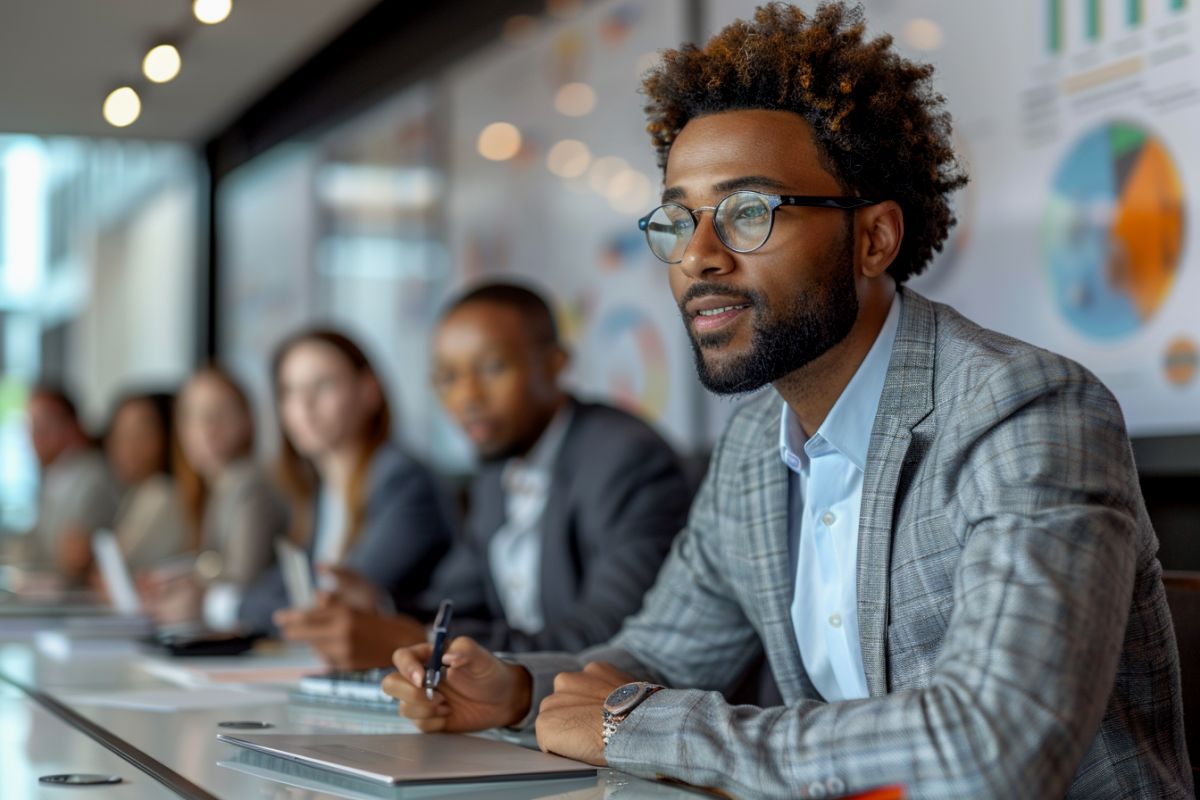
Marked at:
<point>72,702</point>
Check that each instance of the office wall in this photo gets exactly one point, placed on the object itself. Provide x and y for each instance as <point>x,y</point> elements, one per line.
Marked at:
<point>1027,101</point>
<point>138,327</point>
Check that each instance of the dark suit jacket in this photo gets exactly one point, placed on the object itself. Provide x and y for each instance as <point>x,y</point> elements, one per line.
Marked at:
<point>405,533</point>
<point>618,496</point>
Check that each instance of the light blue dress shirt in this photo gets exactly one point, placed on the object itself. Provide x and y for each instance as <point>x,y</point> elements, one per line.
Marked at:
<point>825,496</point>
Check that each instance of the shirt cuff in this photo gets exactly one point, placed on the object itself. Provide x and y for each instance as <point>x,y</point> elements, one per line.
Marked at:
<point>221,603</point>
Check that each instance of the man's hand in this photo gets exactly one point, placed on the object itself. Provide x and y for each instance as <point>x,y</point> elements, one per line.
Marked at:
<point>479,691</point>
<point>349,638</point>
<point>570,722</point>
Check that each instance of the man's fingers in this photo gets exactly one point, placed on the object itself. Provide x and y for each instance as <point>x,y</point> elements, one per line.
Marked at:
<point>410,662</point>
<point>397,685</point>
<point>465,647</point>
<point>564,700</point>
<point>607,672</point>
<point>468,657</point>
<point>583,683</point>
<point>428,714</point>
<point>433,725</point>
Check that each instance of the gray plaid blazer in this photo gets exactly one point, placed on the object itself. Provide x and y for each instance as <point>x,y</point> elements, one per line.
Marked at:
<point>1012,618</point>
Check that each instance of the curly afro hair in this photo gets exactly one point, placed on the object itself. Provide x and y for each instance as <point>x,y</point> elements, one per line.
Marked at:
<point>878,124</point>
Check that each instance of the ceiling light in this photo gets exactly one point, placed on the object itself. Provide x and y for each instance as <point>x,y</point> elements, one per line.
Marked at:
<point>569,158</point>
<point>499,141</point>
<point>575,100</point>
<point>923,34</point>
<point>162,63</point>
<point>122,107</point>
<point>210,12</point>
<point>604,170</point>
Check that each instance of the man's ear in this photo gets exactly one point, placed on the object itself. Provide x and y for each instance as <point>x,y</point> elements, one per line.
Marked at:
<point>558,358</point>
<point>881,229</point>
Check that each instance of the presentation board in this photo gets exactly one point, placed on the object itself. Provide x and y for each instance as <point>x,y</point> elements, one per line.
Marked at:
<point>1078,121</point>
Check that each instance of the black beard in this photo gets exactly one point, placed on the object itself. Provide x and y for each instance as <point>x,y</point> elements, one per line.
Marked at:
<point>807,325</point>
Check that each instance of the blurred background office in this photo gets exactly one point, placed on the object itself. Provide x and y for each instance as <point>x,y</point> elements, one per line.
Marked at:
<point>183,182</point>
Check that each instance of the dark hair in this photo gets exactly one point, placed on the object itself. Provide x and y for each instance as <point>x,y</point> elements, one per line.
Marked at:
<point>57,394</point>
<point>163,405</point>
<point>193,491</point>
<point>878,124</point>
<point>533,308</point>
<point>297,473</point>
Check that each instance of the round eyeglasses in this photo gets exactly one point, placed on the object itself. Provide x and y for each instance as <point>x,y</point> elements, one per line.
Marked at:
<point>743,221</point>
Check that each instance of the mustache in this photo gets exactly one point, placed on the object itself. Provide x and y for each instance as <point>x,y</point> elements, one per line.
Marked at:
<point>705,289</point>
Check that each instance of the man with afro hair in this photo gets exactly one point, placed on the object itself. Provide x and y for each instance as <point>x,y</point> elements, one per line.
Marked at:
<point>934,531</point>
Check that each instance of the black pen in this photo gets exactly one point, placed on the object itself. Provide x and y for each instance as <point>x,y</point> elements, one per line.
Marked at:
<point>433,670</point>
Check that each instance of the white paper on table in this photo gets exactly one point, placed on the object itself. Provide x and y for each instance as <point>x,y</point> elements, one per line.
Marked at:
<point>62,646</point>
<point>167,700</point>
<point>252,673</point>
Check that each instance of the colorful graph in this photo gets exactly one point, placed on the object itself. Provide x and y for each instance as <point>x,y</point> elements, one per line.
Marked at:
<point>1114,230</point>
<point>1090,21</point>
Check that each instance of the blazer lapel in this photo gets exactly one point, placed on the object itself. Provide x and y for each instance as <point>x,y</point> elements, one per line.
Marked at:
<point>763,499</point>
<point>907,398</point>
<point>558,575</point>
<point>488,497</point>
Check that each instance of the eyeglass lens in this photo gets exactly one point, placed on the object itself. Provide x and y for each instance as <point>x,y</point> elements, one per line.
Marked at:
<point>742,220</point>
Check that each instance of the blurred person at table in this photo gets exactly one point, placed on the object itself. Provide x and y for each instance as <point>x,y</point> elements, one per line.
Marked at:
<point>572,511</point>
<point>368,514</point>
<point>76,493</point>
<point>150,525</point>
<point>234,511</point>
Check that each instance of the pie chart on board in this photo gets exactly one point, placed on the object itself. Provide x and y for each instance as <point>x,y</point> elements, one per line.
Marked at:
<point>1114,230</point>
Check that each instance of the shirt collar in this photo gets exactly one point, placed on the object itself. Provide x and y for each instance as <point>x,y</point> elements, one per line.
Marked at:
<point>847,427</point>
<point>543,454</point>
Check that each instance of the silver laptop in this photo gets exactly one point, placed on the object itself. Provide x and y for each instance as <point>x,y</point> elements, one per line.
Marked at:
<point>411,758</point>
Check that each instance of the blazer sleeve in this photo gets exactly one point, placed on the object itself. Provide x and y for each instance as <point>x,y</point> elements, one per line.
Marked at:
<point>1041,597</point>
<point>691,631</point>
<point>261,599</point>
<point>256,516</point>
<point>405,534</point>
<point>631,499</point>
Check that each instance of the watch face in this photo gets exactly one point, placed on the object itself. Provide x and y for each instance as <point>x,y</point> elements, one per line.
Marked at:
<point>623,698</point>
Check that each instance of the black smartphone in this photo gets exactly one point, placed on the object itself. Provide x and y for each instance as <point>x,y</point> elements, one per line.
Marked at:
<point>209,644</point>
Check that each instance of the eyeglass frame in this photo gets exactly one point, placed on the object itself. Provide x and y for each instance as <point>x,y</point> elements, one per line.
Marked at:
<point>774,201</point>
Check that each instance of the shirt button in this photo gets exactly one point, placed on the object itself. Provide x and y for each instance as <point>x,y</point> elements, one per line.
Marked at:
<point>835,786</point>
<point>835,620</point>
<point>816,789</point>
<point>828,518</point>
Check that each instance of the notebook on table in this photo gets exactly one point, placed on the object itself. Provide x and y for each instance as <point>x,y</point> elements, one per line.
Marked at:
<point>414,758</point>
